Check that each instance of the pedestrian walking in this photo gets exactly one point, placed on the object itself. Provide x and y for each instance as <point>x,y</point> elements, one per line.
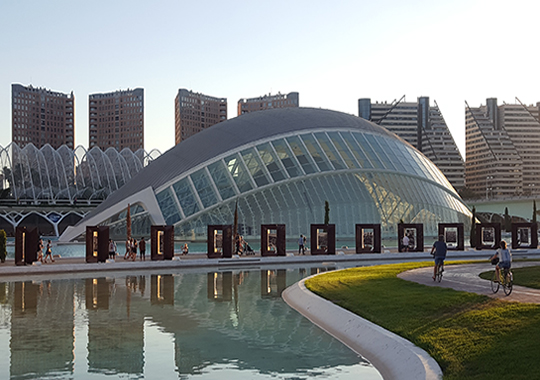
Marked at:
<point>48,252</point>
<point>142,249</point>
<point>301,244</point>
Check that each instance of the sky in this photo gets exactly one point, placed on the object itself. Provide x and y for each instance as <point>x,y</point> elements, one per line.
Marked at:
<point>331,52</point>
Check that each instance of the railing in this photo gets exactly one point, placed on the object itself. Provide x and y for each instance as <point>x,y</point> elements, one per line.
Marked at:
<point>50,202</point>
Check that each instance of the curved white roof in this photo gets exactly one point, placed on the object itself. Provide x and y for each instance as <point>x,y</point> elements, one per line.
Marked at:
<point>233,133</point>
<point>281,153</point>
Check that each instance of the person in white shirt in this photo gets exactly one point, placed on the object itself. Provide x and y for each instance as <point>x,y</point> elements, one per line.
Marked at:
<point>405,244</point>
<point>504,256</point>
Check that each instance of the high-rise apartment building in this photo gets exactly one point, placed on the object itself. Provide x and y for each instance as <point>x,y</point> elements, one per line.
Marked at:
<point>422,126</point>
<point>41,116</point>
<point>502,149</point>
<point>116,119</point>
<point>292,99</point>
<point>194,112</point>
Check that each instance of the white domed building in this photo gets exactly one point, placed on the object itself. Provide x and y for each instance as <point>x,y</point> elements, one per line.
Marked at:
<point>280,166</point>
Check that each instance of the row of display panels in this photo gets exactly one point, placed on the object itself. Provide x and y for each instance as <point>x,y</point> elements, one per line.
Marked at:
<point>273,240</point>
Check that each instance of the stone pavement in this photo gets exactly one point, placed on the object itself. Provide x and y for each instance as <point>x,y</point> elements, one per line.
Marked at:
<point>466,278</point>
<point>342,259</point>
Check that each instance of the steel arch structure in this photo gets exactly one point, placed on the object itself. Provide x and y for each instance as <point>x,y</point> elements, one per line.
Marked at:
<point>41,175</point>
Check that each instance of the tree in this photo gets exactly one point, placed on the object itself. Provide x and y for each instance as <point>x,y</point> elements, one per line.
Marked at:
<point>507,221</point>
<point>326,212</point>
<point>472,236</point>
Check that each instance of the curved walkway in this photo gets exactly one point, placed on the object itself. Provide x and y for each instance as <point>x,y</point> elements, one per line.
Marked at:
<point>466,278</point>
<point>393,356</point>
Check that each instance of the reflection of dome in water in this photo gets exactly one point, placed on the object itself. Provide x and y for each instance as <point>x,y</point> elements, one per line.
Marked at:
<point>280,166</point>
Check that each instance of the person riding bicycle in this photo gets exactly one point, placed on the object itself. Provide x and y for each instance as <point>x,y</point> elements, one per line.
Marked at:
<point>505,258</point>
<point>439,250</point>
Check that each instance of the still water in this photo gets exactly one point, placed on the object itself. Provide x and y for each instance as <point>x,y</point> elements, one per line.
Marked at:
<point>180,325</point>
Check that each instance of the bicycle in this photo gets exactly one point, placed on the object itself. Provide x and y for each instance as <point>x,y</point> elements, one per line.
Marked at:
<point>506,280</point>
<point>439,273</point>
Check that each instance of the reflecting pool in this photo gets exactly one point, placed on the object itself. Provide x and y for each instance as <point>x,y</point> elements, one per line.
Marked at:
<point>186,325</point>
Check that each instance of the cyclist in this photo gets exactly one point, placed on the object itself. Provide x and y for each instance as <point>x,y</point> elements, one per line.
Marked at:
<point>505,258</point>
<point>439,249</point>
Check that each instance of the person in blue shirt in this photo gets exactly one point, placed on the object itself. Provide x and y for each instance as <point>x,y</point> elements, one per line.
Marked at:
<point>439,251</point>
<point>301,244</point>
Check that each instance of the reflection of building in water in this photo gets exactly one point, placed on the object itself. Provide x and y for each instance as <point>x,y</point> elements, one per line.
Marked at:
<point>162,289</point>
<point>219,286</point>
<point>42,326</point>
<point>202,330</point>
<point>115,332</point>
<point>321,270</point>
<point>273,282</point>
<point>254,326</point>
<point>97,293</point>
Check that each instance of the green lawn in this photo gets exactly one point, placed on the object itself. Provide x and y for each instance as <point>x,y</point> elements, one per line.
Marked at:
<point>528,276</point>
<point>470,336</point>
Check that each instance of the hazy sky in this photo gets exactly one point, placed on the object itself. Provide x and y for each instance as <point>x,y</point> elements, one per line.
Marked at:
<point>331,52</point>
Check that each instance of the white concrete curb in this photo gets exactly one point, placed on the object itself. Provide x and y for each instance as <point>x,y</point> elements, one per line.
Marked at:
<point>393,356</point>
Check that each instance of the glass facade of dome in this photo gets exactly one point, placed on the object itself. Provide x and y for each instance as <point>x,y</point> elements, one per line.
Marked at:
<point>280,169</point>
<point>366,178</point>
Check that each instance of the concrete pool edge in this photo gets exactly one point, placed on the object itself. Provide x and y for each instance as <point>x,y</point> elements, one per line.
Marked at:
<point>393,356</point>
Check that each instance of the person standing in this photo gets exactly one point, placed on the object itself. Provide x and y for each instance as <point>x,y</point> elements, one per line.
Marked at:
<point>301,246</point>
<point>127,255</point>
<point>185,249</point>
<point>142,249</point>
<point>238,245</point>
<point>112,249</point>
<point>405,243</point>
<point>48,252</point>
<point>133,249</point>
<point>40,251</point>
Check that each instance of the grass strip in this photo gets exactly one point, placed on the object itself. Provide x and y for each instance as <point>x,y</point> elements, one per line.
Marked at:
<point>471,336</point>
<point>527,276</point>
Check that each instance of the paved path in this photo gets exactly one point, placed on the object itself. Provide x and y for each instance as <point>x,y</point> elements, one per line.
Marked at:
<point>466,278</point>
<point>343,259</point>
